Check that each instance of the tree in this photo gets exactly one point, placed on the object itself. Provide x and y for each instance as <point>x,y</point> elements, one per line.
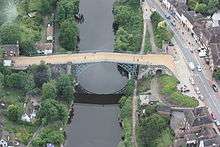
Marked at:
<point>14,112</point>
<point>41,73</point>
<point>68,34</point>
<point>123,40</point>
<point>129,89</point>
<point>216,74</point>
<point>122,15</point>
<point>1,80</point>
<point>21,80</point>
<point>67,9</point>
<point>9,34</point>
<point>49,135</point>
<point>1,53</point>
<point>27,47</point>
<point>212,6</point>
<point>51,111</point>
<point>201,8</point>
<point>152,127</point>
<point>156,18</point>
<point>49,90</point>
<point>65,89</point>
<point>126,109</point>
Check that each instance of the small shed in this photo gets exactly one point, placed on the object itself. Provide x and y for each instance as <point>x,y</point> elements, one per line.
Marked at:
<point>7,63</point>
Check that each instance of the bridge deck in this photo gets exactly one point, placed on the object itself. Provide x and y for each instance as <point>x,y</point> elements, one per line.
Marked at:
<point>148,59</point>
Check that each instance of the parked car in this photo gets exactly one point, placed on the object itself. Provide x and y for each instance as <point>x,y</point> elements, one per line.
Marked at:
<point>199,68</point>
<point>197,90</point>
<point>214,87</point>
<point>217,122</point>
<point>167,16</point>
<point>191,66</point>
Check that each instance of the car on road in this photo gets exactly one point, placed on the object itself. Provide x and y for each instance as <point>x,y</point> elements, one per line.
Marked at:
<point>214,87</point>
<point>201,97</point>
<point>199,68</point>
<point>173,23</point>
<point>197,90</point>
<point>191,81</point>
<point>217,123</point>
<point>191,66</point>
<point>167,16</point>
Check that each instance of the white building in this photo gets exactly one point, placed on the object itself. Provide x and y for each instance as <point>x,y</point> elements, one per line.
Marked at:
<point>3,143</point>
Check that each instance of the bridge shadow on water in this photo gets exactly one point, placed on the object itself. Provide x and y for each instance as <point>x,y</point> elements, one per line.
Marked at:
<point>97,98</point>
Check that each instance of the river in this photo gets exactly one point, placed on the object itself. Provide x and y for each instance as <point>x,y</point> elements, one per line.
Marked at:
<point>96,125</point>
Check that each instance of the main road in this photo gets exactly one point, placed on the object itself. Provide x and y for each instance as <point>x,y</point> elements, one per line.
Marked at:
<point>211,98</point>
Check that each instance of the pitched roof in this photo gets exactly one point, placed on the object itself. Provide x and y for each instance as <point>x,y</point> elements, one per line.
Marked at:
<point>198,116</point>
<point>212,142</point>
<point>215,51</point>
<point>44,46</point>
<point>10,50</point>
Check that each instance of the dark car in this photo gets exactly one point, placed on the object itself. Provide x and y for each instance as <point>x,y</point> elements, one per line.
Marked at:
<point>215,88</point>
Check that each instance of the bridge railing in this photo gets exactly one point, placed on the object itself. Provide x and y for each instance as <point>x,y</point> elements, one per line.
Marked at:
<point>94,51</point>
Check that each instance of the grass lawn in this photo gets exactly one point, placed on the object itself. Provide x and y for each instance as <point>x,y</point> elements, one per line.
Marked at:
<point>168,88</point>
<point>23,131</point>
<point>166,139</point>
<point>12,96</point>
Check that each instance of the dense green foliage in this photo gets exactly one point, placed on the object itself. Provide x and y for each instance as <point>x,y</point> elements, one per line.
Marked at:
<point>9,34</point>
<point>49,90</point>
<point>129,89</point>
<point>168,88</point>
<point>49,135</point>
<point>128,25</point>
<point>41,74</point>
<point>125,114</point>
<point>52,111</point>
<point>207,7</point>
<point>68,27</point>
<point>21,80</point>
<point>14,112</point>
<point>216,74</point>
<point>153,129</point>
<point>161,32</point>
<point>68,34</point>
<point>67,9</point>
<point>1,80</point>
<point>65,88</point>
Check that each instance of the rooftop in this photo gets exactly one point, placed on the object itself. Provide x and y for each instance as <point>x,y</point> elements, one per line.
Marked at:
<point>198,116</point>
<point>10,50</point>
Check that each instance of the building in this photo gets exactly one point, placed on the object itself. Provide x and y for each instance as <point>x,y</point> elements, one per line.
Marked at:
<point>44,48</point>
<point>172,4</point>
<point>197,118</point>
<point>3,143</point>
<point>49,32</point>
<point>209,38</point>
<point>10,50</point>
